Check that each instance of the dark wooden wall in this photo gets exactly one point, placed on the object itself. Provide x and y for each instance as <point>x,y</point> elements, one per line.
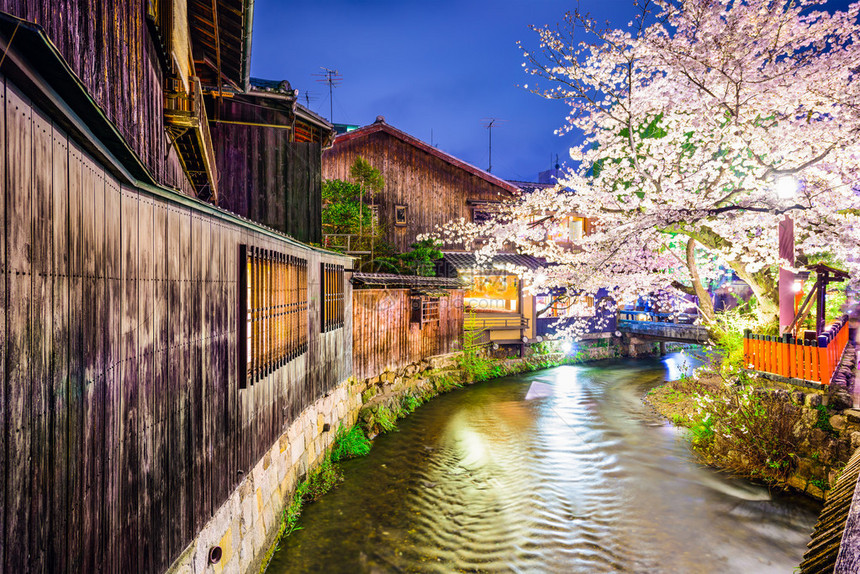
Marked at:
<point>434,191</point>
<point>122,427</point>
<point>266,177</point>
<point>108,45</point>
<point>385,339</point>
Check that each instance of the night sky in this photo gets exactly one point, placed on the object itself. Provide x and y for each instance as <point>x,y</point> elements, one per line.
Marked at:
<point>443,65</point>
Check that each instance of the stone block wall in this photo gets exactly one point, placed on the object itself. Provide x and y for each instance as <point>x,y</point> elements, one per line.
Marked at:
<point>244,528</point>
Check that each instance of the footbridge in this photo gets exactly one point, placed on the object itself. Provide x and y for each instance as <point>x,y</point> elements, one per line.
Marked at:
<point>667,327</point>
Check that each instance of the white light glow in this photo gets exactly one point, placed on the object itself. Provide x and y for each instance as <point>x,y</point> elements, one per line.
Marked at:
<point>786,186</point>
<point>797,286</point>
<point>566,347</point>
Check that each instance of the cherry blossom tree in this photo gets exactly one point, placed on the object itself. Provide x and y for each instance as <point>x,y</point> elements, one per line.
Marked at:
<point>694,118</point>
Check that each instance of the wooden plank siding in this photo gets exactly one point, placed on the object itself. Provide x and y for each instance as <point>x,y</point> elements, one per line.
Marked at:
<point>385,338</point>
<point>124,427</point>
<point>433,190</point>
<point>267,177</point>
<point>108,45</point>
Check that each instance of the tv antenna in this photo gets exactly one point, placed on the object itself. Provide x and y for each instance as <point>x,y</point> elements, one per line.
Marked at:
<point>309,97</point>
<point>490,123</point>
<point>333,79</point>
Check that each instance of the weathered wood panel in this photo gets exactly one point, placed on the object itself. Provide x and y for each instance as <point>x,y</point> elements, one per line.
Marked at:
<point>125,427</point>
<point>18,351</point>
<point>129,397</point>
<point>4,277</point>
<point>41,332</point>
<point>268,178</point>
<point>384,338</point>
<point>76,362</point>
<point>59,554</point>
<point>108,45</point>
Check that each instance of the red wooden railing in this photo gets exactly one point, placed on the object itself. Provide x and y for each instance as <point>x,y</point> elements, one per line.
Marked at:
<point>809,359</point>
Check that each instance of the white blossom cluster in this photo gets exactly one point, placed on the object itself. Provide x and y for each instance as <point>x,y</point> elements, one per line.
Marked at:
<point>689,119</point>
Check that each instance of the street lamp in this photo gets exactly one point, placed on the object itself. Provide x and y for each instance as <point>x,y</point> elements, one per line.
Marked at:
<point>786,187</point>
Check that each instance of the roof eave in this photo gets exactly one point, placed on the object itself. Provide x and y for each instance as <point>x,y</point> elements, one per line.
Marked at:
<point>415,142</point>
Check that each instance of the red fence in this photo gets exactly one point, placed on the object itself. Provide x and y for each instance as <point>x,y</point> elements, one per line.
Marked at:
<point>809,359</point>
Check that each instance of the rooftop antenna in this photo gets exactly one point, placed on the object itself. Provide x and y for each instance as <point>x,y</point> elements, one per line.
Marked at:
<point>490,123</point>
<point>333,79</point>
<point>309,97</point>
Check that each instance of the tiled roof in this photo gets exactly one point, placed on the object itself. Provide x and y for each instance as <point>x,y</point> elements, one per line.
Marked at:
<point>394,281</point>
<point>468,261</point>
<point>531,186</point>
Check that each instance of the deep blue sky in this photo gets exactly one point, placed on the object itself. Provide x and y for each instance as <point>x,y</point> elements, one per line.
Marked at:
<point>442,65</point>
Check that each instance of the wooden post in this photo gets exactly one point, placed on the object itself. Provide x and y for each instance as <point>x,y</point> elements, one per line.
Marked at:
<point>785,355</point>
<point>747,357</point>
<point>824,364</point>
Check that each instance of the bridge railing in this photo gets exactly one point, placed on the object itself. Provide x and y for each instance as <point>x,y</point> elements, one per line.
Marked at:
<point>682,318</point>
<point>798,357</point>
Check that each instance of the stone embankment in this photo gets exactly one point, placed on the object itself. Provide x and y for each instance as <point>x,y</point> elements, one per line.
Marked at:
<point>240,536</point>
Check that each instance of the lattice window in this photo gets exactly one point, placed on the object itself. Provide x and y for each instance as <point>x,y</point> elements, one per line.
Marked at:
<point>332,296</point>
<point>274,300</point>
<point>425,310</point>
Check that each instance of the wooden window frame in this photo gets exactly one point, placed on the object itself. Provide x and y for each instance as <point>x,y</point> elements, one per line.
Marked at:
<point>425,309</point>
<point>332,301</point>
<point>273,299</point>
<point>397,221</point>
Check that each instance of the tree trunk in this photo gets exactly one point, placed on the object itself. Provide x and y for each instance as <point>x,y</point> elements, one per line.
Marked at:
<point>706,306</point>
<point>768,308</point>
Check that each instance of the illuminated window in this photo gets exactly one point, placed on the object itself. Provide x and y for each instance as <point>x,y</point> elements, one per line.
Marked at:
<point>497,293</point>
<point>400,215</point>
<point>576,228</point>
<point>564,306</point>
<point>274,295</point>
<point>332,296</point>
<point>567,230</point>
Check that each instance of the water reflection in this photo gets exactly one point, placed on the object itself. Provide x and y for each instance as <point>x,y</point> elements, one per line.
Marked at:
<point>559,471</point>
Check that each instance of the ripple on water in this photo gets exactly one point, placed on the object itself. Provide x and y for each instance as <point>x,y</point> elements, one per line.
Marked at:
<point>577,479</point>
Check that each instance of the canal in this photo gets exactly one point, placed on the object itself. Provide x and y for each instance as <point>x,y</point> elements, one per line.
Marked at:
<point>563,470</point>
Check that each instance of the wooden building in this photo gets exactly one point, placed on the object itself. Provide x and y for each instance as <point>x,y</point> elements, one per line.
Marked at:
<point>152,345</point>
<point>268,149</point>
<point>398,320</point>
<point>424,186</point>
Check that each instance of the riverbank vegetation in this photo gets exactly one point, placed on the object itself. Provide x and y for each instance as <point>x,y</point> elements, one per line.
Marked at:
<point>766,431</point>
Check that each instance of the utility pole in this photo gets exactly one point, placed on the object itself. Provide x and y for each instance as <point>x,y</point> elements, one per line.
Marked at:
<point>490,123</point>
<point>333,79</point>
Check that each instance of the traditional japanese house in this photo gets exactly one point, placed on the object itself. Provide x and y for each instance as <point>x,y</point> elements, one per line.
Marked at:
<point>424,186</point>
<point>402,319</point>
<point>154,348</point>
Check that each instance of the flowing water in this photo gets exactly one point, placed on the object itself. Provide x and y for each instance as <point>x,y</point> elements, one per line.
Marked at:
<point>563,470</point>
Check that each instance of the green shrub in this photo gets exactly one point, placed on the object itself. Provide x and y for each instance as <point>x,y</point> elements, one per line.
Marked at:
<point>410,403</point>
<point>349,443</point>
<point>823,420</point>
<point>322,479</point>
<point>385,418</point>
<point>748,430</point>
